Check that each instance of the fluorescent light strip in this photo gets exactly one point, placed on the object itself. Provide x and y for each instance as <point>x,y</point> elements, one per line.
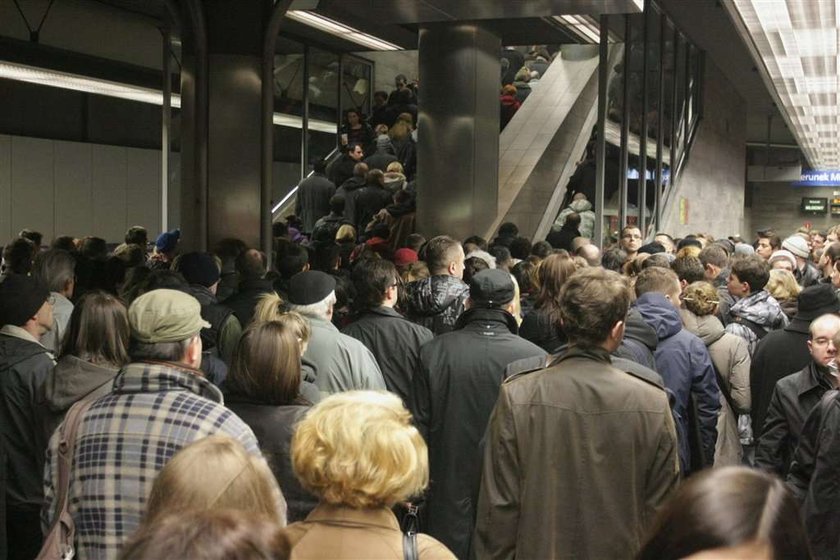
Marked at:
<point>63,80</point>
<point>341,30</point>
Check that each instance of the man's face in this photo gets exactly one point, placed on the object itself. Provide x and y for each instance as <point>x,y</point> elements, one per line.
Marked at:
<point>763,248</point>
<point>821,344</point>
<point>459,264</point>
<point>675,295</point>
<point>357,153</point>
<point>735,286</point>
<point>631,241</point>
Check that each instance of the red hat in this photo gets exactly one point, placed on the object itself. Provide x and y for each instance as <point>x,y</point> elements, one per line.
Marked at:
<point>405,256</point>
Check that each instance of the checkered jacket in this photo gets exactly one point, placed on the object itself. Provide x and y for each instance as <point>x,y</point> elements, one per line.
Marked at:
<point>125,439</point>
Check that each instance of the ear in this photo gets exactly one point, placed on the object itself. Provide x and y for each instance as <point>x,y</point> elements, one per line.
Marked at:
<point>617,331</point>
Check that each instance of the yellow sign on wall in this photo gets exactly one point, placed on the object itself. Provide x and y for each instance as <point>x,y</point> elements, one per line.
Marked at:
<point>683,211</point>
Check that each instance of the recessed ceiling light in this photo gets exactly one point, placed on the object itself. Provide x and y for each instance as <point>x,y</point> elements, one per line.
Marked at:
<point>341,30</point>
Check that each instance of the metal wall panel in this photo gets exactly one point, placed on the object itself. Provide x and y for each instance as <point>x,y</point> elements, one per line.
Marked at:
<point>5,188</point>
<point>142,193</point>
<point>73,188</point>
<point>108,191</point>
<point>32,185</point>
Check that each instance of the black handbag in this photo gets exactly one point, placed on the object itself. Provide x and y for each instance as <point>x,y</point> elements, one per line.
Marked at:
<point>409,528</point>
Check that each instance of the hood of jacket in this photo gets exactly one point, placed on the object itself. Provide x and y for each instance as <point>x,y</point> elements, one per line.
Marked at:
<point>708,327</point>
<point>636,328</point>
<point>73,379</point>
<point>432,295</point>
<point>761,308</point>
<point>353,183</point>
<point>660,314</point>
<point>581,205</point>
<point>509,100</point>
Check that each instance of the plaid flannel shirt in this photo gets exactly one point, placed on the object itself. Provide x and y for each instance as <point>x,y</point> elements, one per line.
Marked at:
<point>125,439</point>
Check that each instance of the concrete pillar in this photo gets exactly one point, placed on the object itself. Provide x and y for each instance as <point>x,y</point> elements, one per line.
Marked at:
<point>458,137</point>
<point>234,41</point>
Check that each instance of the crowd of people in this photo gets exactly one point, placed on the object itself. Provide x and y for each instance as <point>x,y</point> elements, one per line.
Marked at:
<point>190,404</point>
<point>375,394</point>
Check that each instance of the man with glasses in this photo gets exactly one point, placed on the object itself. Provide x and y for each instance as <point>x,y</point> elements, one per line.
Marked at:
<point>392,339</point>
<point>796,395</point>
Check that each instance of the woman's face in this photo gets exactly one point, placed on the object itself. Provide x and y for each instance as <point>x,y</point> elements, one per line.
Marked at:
<point>352,118</point>
<point>835,275</point>
<point>782,264</point>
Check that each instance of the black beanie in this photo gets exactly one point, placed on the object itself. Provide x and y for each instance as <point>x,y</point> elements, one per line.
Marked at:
<point>20,299</point>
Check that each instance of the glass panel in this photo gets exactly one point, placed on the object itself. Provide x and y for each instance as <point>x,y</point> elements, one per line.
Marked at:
<point>288,83</point>
<point>355,84</point>
<point>323,85</point>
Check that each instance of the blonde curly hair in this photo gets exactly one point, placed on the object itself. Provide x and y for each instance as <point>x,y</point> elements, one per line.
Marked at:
<point>359,449</point>
<point>701,298</point>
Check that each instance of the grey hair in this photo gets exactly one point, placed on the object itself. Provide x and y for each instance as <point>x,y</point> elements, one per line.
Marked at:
<point>55,268</point>
<point>320,310</point>
<point>159,351</point>
<point>483,255</point>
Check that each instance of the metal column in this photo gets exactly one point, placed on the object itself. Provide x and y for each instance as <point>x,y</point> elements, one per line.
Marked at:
<point>601,137</point>
<point>304,133</point>
<point>165,123</point>
<point>644,132</point>
<point>660,133</point>
<point>625,130</point>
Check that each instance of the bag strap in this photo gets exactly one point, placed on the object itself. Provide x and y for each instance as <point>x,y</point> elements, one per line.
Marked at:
<point>410,521</point>
<point>66,447</point>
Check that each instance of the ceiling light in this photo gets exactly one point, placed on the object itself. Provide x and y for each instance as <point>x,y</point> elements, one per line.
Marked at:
<point>341,30</point>
<point>584,27</point>
<point>75,82</point>
<point>795,44</point>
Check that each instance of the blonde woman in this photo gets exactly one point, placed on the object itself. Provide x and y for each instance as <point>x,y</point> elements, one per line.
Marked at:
<point>359,453</point>
<point>731,358</point>
<point>783,286</point>
<point>216,473</point>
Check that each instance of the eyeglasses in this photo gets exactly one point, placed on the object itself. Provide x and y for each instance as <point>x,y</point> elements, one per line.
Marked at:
<point>821,341</point>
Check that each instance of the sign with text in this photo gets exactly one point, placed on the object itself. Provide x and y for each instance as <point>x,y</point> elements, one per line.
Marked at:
<point>814,205</point>
<point>819,178</point>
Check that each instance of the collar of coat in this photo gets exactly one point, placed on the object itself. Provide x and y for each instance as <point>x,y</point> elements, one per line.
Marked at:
<point>589,353</point>
<point>383,311</point>
<point>812,377</point>
<point>160,377</point>
<point>489,317</point>
<point>350,517</point>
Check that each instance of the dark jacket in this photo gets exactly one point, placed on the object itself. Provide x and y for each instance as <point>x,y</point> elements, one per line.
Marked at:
<point>244,302</point>
<point>537,328</point>
<point>815,477</point>
<point>349,190</point>
<point>326,228</point>
<point>454,390</point>
<point>313,199</point>
<point>639,342</point>
<point>225,329</point>
<point>380,160</point>
<point>70,381</point>
<point>274,427</point>
<point>395,343</point>
<point>778,354</point>
<point>342,169</point>
<point>579,458</point>
<point>369,200</point>
<point>24,367</point>
<point>562,238</point>
<point>686,368</point>
<point>794,398</point>
<point>436,302</point>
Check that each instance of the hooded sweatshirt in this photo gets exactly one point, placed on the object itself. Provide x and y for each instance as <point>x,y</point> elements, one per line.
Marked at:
<point>436,302</point>
<point>72,380</point>
<point>686,368</point>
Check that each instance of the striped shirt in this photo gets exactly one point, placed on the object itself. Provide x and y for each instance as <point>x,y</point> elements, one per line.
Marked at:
<point>125,439</point>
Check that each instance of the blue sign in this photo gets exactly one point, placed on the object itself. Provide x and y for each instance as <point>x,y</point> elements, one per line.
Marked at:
<point>819,178</point>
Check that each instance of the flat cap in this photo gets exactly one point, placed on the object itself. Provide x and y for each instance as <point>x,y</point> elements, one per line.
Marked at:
<point>165,316</point>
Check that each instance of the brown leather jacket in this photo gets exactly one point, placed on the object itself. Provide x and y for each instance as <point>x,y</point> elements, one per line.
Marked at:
<point>343,533</point>
<point>579,457</point>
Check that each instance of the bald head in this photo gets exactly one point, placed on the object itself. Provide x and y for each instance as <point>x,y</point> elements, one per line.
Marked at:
<point>828,323</point>
<point>590,253</point>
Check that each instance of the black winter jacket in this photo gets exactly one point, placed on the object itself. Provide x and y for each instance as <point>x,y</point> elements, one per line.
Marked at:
<point>395,343</point>
<point>794,398</point>
<point>815,477</point>
<point>436,302</point>
<point>455,389</point>
<point>274,427</point>
<point>24,367</point>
